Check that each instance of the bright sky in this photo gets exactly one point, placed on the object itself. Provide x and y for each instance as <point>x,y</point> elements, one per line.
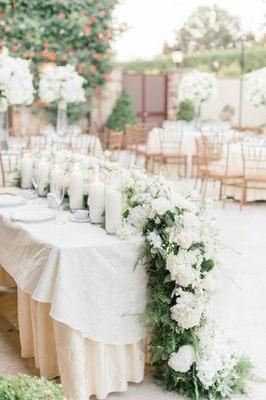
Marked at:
<point>151,22</point>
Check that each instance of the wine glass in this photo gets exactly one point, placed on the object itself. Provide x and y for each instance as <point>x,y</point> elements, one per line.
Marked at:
<point>35,182</point>
<point>59,191</point>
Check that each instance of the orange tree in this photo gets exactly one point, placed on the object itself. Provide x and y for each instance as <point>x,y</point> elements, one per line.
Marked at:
<point>61,32</point>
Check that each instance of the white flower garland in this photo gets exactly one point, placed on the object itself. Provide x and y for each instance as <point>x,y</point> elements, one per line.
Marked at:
<point>188,246</point>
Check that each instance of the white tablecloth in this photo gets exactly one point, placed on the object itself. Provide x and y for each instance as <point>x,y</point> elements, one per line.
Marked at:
<point>87,276</point>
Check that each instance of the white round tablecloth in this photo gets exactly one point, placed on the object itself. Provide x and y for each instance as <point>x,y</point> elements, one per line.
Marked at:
<point>88,277</point>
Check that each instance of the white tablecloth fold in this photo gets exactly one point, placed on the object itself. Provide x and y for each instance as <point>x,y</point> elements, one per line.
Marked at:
<point>85,366</point>
<point>87,276</point>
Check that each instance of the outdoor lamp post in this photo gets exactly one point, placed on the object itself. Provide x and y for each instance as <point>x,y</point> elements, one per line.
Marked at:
<point>177,57</point>
<point>242,66</point>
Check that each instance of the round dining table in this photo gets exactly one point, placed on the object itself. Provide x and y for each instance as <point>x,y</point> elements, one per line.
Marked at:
<point>80,296</point>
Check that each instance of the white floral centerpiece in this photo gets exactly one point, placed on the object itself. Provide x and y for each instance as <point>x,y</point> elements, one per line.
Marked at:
<point>255,84</point>
<point>61,84</point>
<point>197,87</point>
<point>16,87</point>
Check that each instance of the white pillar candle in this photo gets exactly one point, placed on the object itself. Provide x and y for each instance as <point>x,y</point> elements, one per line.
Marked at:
<point>96,201</point>
<point>26,172</point>
<point>76,189</point>
<point>113,210</point>
<point>56,175</point>
<point>43,177</point>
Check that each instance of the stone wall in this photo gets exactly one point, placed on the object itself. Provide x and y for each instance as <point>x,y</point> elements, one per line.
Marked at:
<point>103,104</point>
<point>173,80</point>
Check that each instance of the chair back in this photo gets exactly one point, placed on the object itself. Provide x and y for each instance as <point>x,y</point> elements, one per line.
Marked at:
<point>85,144</point>
<point>171,143</point>
<point>254,160</point>
<point>114,141</point>
<point>9,166</point>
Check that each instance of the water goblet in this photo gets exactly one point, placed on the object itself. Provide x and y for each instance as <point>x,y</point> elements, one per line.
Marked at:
<point>35,182</point>
<point>59,197</point>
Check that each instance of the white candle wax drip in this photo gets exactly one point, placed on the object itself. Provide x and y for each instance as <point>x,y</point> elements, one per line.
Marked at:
<point>96,201</point>
<point>76,189</point>
<point>113,210</point>
<point>26,172</point>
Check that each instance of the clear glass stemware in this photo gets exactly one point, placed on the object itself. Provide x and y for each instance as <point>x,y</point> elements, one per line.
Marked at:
<point>59,191</point>
<point>35,182</point>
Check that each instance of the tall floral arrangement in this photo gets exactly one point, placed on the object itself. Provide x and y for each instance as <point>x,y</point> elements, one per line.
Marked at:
<point>16,87</point>
<point>197,87</point>
<point>61,84</point>
<point>255,83</point>
<point>190,355</point>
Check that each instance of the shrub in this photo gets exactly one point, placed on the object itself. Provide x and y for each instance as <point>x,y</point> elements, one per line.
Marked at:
<point>24,387</point>
<point>122,114</point>
<point>186,111</point>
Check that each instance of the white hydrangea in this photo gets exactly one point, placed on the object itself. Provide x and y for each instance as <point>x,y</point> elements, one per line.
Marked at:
<point>161,205</point>
<point>138,217</point>
<point>215,356</point>
<point>198,87</point>
<point>183,360</point>
<point>255,85</point>
<point>181,267</point>
<point>209,237</point>
<point>188,309</point>
<point>16,81</point>
<point>61,84</point>
<point>155,240</point>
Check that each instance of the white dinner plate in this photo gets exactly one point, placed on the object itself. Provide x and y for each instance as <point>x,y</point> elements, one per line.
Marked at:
<point>7,200</point>
<point>32,216</point>
<point>73,219</point>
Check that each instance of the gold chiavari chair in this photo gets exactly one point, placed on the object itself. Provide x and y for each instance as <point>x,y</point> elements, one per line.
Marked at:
<point>9,165</point>
<point>254,168</point>
<point>7,160</point>
<point>40,142</point>
<point>171,151</point>
<point>198,160</point>
<point>217,166</point>
<point>114,144</point>
<point>85,144</point>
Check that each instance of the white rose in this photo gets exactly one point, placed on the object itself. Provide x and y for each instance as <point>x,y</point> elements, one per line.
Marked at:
<point>184,240</point>
<point>183,359</point>
<point>161,205</point>
<point>189,220</point>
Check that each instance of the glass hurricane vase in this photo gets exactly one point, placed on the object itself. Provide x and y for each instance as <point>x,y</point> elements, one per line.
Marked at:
<point>61,123</point>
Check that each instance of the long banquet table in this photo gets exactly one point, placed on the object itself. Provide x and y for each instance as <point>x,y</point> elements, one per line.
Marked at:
<point>79,297</point>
